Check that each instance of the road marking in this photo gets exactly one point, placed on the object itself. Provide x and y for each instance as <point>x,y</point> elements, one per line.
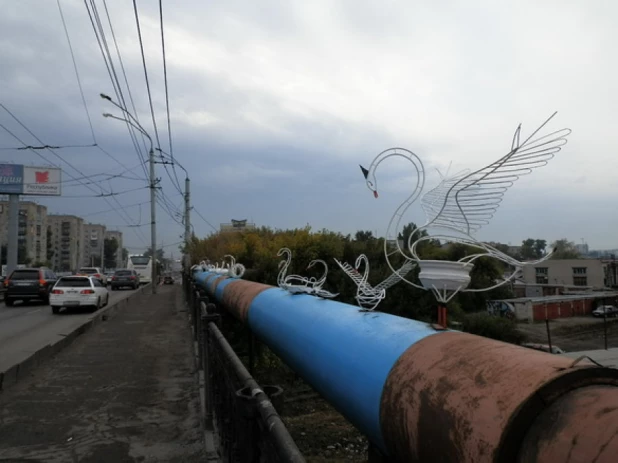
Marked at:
<point>32,311</point>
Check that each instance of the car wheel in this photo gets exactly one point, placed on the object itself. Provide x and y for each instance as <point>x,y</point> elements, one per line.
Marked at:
<point>107,300</point>
<point>98,306</point>
<point>55,309</point>
<point>9,302</point>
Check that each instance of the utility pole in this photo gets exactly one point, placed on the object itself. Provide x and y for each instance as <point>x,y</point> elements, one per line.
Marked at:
<point>153,223</point>
<point>153,182</point>
<point>187,223</point>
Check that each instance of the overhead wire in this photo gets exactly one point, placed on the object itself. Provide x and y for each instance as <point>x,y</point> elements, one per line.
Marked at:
<point>58,156</point>
<point>167,101</point>
<point>81,90</point>
<point>102,43</point>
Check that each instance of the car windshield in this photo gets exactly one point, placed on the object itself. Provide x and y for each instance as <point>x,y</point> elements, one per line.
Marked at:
<point>140,260</point>
<point>123,272</point>
<point>73,283</point>
<point>25,275</point>
<point>88,271</point>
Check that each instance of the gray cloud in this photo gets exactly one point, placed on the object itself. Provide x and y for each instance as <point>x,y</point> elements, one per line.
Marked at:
<point>274,104</point>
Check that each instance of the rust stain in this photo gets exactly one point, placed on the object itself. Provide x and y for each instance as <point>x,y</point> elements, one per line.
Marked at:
<point>238,296</point>
<point>214,282</point>
<point>582,425</point>
<point>456,397</point>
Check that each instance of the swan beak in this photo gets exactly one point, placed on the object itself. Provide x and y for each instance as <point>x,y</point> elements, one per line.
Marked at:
<point>375,193</point>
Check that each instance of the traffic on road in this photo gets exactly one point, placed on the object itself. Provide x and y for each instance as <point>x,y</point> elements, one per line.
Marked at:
<point>40,308</point>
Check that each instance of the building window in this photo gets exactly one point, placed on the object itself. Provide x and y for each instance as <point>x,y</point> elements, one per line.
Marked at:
<point>579,270</point>
<point>542,280</point>
<point>580,281</point>
<point>541,271</point>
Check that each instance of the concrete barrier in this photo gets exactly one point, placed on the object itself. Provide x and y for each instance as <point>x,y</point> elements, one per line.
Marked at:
<point>20,370</point>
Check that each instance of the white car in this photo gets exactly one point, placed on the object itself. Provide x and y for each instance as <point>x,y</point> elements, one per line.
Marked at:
<point>78,291</point>
<point>607,310</point>
<point>95,272</point>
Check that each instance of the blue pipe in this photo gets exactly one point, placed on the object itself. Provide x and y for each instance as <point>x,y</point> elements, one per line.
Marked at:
<point>344,354</point>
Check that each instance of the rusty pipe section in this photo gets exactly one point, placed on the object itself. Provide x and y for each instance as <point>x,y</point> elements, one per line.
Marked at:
<point>426,396</point>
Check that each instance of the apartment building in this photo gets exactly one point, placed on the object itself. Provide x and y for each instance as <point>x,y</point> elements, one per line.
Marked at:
<point>67,234</point>
<point>117,235</point>
<point>32,231</point>
<point>94,237</point>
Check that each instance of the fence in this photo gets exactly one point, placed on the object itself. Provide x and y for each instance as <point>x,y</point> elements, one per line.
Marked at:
<point>244,415</point>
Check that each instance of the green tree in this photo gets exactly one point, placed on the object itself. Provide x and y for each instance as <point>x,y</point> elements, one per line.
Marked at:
<point>50,244</point>
<point>364,235</point>
<point>160,254</point>
<point>533,248</point>
<point>110,247</point>
<point>565,249</point>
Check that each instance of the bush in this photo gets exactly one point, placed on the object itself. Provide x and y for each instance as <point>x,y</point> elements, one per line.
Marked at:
<point>489,326</point>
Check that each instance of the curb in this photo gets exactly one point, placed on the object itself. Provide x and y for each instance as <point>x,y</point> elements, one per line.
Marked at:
<point>20,370</point>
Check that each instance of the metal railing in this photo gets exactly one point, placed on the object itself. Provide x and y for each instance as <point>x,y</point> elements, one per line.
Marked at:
<point>244,415</point>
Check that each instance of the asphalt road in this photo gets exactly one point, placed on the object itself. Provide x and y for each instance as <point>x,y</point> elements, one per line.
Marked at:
<point>26,328</point>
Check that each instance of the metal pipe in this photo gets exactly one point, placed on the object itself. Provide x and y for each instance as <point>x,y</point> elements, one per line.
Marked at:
<point>421,394</point>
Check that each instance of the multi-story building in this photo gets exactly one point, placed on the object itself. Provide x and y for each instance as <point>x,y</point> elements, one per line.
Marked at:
<point>582,273</point>
<point>32,231</point>
<point>67,234</point>
<point>94,237</point>
<point>117,235</point>
<point>236,225</point>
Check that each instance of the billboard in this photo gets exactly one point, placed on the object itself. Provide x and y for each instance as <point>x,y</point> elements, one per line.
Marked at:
<point>28,180</point>
<point>11,178</point>
<point>42,181</point>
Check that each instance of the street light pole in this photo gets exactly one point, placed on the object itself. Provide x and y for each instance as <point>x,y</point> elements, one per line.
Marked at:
<point>153,228</point>
<point>153,222</point>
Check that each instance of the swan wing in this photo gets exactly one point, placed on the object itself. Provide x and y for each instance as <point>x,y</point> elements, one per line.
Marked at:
<point>468,202</point>
<point>351,272</point>
<point>395,277</point>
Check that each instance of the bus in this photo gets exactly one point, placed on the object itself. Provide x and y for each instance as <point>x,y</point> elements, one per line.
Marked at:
<point>142,265</point>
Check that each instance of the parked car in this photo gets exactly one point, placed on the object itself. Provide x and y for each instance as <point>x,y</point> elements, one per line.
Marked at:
<point>93,272</point>
<point>168,280</point>
<point>125,279</point>
<point>78,291</point>
<point>26,284</point>
<point>609,310</point>
<point>544,348</point>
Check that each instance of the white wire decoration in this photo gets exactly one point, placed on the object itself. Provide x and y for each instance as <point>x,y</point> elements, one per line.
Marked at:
<point>462,204</point>
<point>296,284</point>
<point>368,297</point>
<point>235,270</point>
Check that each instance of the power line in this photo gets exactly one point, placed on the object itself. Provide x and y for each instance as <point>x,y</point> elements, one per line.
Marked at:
<point>114,209</point>
<point>55,154</point>
<point>167,101</point>
<point>141,46</point>
<point>107,59</point>
<point>202,217</point>
<point>79,82</point>
<point>43,147</point>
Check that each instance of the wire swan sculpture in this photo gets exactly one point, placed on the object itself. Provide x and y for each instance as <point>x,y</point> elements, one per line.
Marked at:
<point>296,284</point>
<point>368,297</point>
<point>461,205</point>
<point>235,270</point>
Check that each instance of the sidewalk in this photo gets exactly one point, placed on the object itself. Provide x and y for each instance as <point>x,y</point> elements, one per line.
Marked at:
<point>126,391</point>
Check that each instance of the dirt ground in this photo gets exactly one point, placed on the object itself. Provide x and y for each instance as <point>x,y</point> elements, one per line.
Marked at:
<point>574,334</point>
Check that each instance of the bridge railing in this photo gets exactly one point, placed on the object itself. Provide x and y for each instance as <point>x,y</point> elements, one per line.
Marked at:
<point>243,414</point>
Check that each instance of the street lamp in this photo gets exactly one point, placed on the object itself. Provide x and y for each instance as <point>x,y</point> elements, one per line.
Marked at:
<point>153,229</point>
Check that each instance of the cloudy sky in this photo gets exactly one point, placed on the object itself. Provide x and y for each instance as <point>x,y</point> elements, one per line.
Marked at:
<point>274,104</point>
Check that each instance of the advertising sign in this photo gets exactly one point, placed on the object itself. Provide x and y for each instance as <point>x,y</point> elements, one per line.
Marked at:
<point>11,178</point>
<point>42,181</point>
<point>26,180</point>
